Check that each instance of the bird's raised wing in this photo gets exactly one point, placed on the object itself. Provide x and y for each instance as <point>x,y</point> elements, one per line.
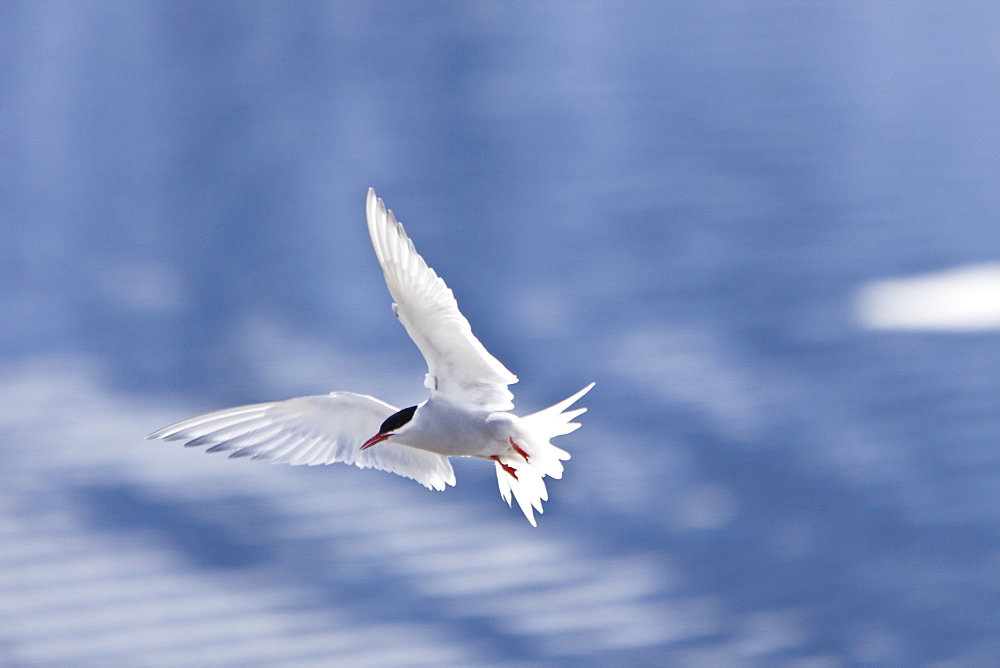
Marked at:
<point>313,430</point>
<point>459,368</point>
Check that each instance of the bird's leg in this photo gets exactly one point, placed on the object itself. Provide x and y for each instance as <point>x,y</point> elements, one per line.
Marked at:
<point>519,450</point>
<point>509,469</point>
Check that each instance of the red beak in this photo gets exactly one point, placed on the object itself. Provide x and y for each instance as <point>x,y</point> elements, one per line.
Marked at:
<point>375,440</point>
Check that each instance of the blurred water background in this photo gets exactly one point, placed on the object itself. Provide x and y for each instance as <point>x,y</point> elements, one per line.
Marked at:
<point>767,230</point>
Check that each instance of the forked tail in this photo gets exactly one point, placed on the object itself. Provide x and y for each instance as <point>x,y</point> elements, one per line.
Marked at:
<point>532,455</point>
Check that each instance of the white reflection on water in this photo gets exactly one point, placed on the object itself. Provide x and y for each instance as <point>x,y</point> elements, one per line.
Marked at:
<point>966,299</point>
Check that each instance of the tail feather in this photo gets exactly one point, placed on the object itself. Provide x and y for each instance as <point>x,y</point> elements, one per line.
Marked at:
<point>534,434</point>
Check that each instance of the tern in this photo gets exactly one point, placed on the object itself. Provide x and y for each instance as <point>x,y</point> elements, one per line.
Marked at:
<point>467,413</point>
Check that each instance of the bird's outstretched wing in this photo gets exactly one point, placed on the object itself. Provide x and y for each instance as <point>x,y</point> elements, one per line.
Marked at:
<point>313,430</point>
<point>459,368</point>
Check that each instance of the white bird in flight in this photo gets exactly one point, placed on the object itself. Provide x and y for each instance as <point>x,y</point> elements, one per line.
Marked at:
<point>466,415</point>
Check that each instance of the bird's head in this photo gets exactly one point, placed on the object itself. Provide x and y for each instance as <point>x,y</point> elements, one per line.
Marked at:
<point>392,425</point>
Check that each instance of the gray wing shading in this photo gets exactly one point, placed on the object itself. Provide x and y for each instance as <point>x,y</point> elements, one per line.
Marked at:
<point>321,429</point>
<point>459,366</point>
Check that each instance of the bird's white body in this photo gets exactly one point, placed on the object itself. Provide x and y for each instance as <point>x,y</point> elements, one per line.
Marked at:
<point>454,431</point>
<point>466,415</point>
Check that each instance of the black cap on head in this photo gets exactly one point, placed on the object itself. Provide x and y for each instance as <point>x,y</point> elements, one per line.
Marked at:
<point>397,420</point>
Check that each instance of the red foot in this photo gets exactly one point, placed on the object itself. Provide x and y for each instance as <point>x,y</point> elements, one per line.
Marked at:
<point>509,469</point>
<point>519,450</point>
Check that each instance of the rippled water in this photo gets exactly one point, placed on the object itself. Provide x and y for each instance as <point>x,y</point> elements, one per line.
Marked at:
<point>686,202</point>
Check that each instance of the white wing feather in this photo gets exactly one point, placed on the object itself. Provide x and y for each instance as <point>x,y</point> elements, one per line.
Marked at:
<point>460,369</point>
<point>312,430</point>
